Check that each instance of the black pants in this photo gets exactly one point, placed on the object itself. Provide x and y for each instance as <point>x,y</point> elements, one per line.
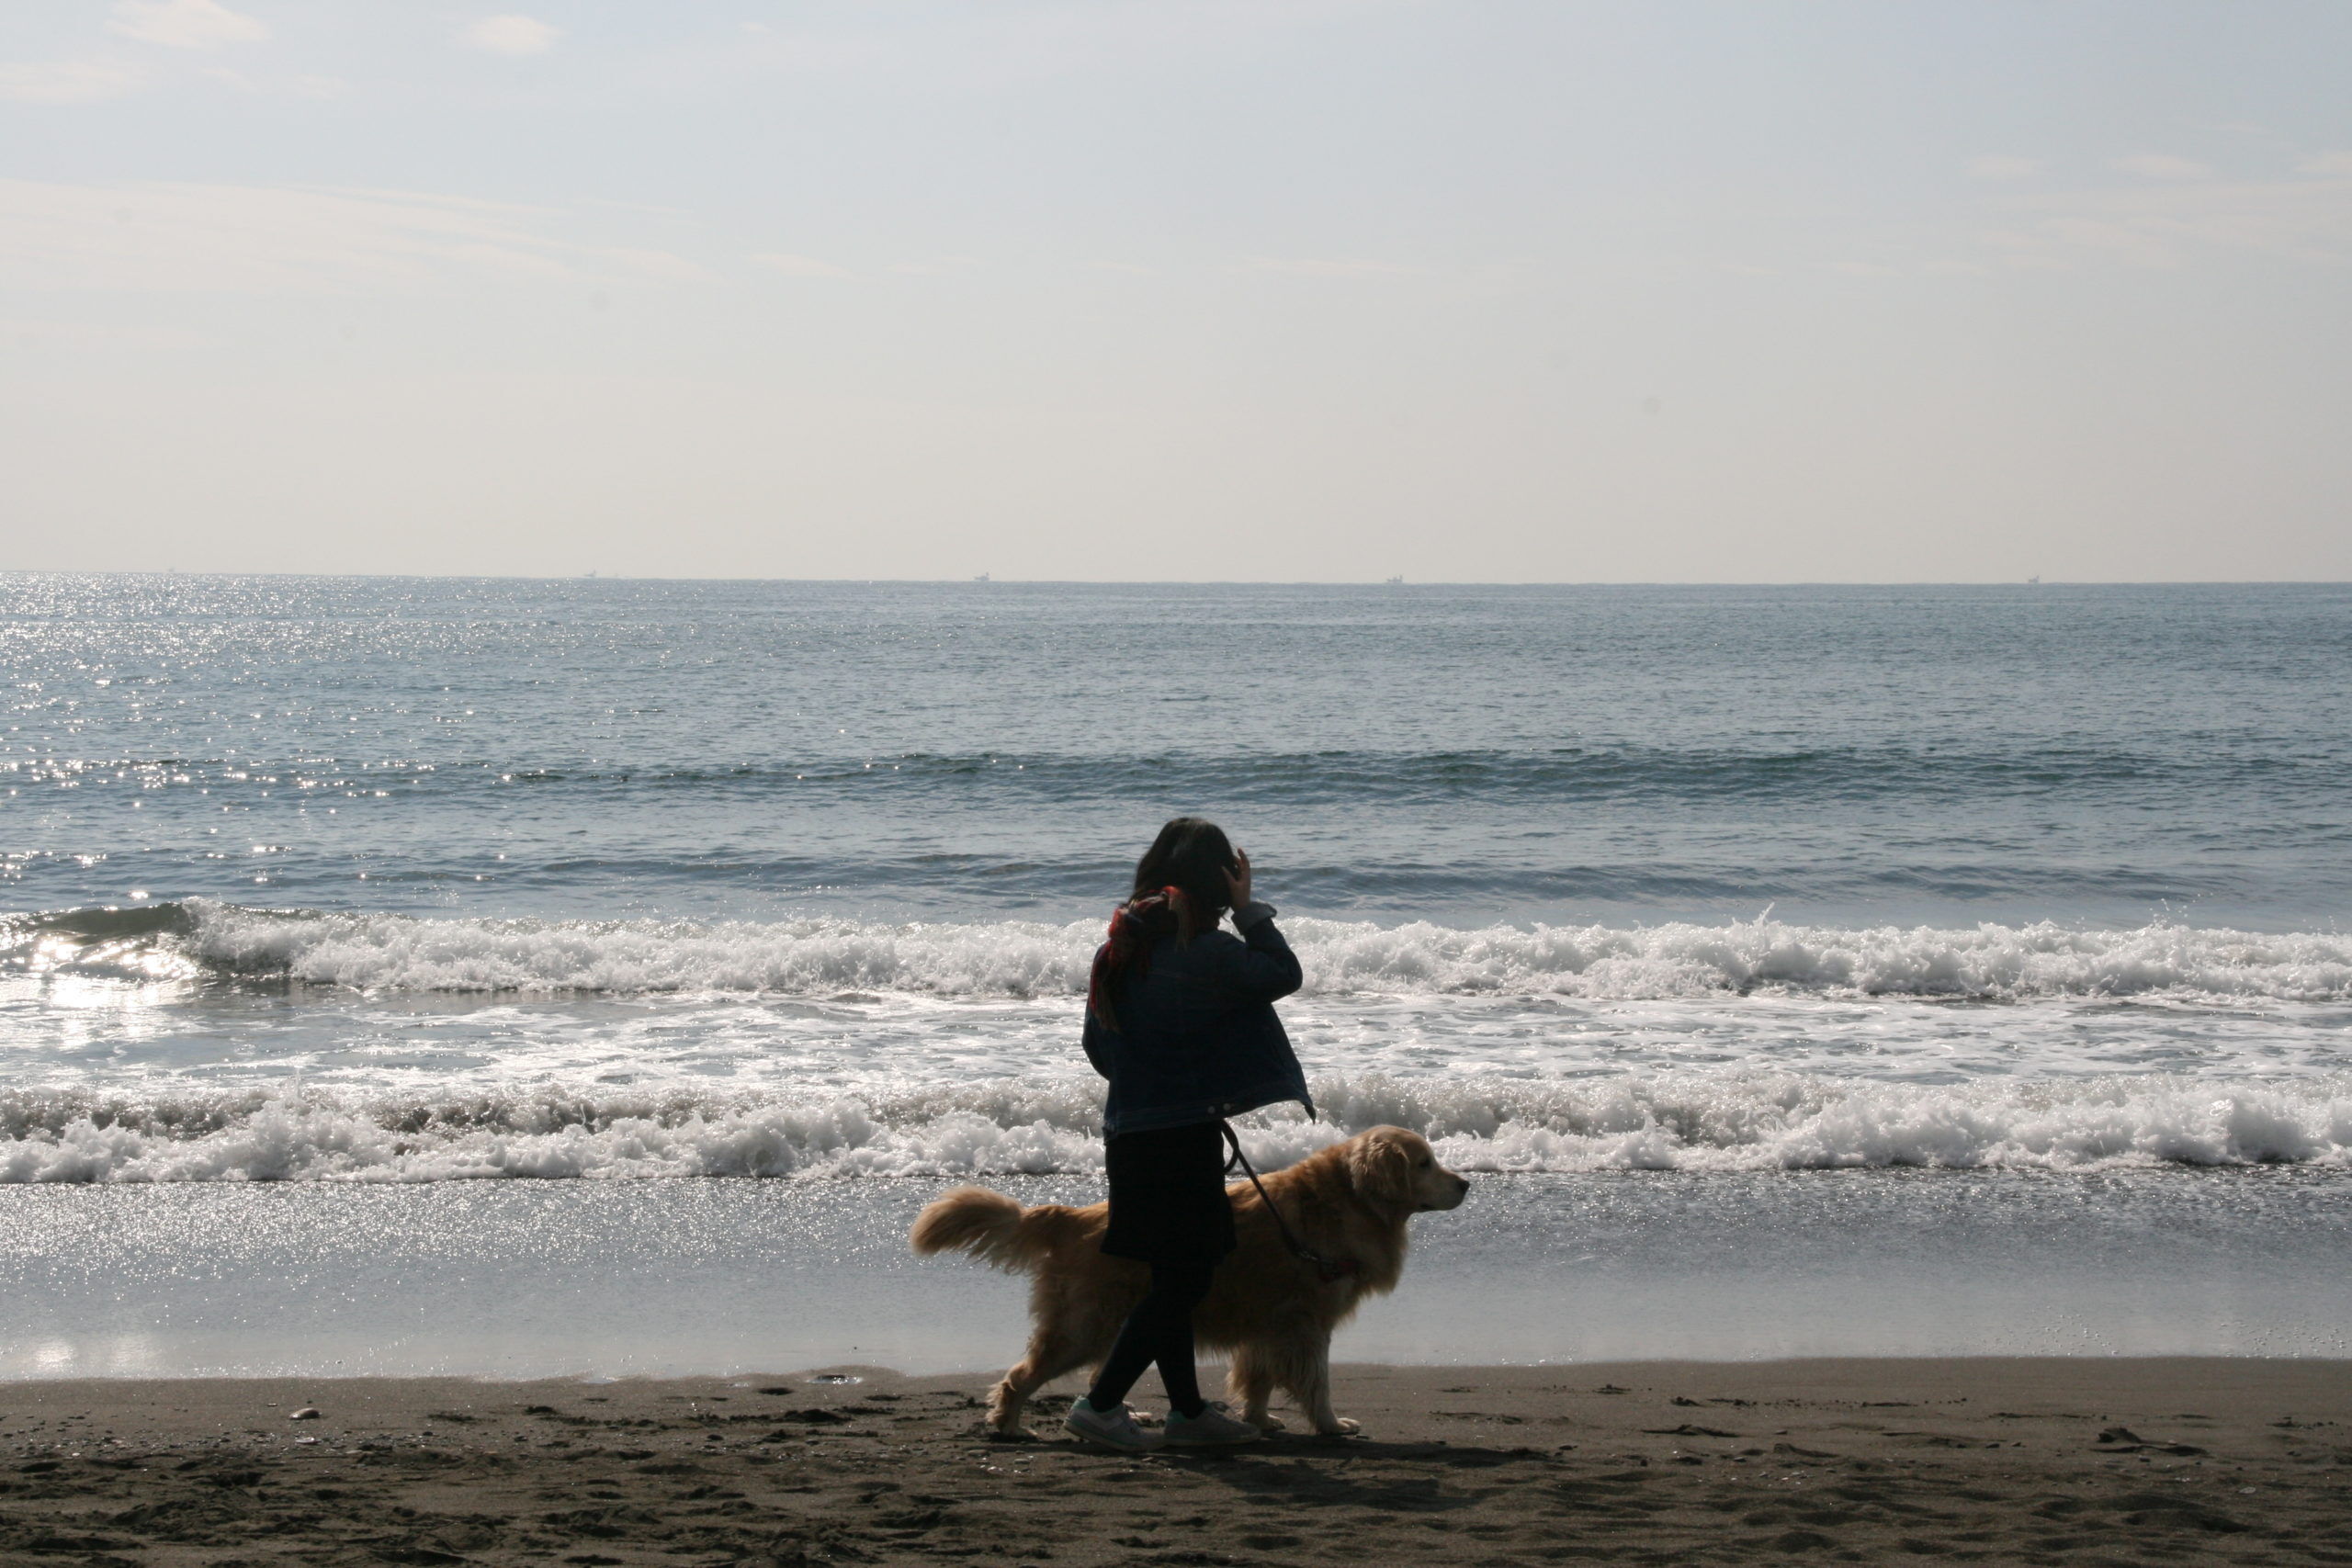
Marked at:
<point>1159,1330</point>
<point>1168,1201</point>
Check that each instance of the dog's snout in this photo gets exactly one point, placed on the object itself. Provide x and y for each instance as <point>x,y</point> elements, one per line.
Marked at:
<point>1448,1192</point>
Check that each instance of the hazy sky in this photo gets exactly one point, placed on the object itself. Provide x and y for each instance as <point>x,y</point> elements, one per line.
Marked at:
<point>1185,288</point>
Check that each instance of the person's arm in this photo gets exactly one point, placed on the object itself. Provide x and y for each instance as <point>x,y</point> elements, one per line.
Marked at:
<point>1097,1041</point>
<point>1265,969</point>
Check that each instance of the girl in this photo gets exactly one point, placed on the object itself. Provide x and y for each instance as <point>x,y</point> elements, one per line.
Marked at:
<point>1179,1017</point>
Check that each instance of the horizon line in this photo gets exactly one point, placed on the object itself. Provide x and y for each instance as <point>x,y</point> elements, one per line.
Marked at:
<point>987,580</point>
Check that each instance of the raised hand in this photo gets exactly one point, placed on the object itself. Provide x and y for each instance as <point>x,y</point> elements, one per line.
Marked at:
<point>1237,879</point>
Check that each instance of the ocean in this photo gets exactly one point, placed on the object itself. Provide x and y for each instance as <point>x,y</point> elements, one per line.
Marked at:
<point>1838,900</point>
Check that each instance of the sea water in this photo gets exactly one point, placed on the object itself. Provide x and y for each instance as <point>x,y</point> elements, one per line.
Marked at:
<point>338,883</point>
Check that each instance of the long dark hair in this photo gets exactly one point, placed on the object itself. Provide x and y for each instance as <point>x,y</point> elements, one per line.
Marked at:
<point>1179,890</point>
<point>1195,854</point>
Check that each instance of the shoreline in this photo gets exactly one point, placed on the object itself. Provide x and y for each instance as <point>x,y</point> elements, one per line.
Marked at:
<point>712,1277</point>
<point>853,1374</point>
<point>2113,1459</point>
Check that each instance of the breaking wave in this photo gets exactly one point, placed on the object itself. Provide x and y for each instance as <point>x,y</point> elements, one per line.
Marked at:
<point>1696,1121</point>
<point>392,953</point>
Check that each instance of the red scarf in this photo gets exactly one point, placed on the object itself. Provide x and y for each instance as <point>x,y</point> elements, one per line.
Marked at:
<point>1134,926</point>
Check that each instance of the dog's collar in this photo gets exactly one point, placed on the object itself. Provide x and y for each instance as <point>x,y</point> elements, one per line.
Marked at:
<point>1330,1269</point>
<point>1336,1268</point>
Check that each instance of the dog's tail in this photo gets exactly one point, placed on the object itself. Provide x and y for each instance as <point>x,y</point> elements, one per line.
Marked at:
<point>988,1225</point>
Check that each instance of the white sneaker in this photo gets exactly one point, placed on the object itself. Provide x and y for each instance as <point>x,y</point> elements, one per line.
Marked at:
<point>1212,1428</point>
<point>1113,1428</point>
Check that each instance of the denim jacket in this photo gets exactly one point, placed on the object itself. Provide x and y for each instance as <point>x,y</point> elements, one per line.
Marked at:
<point>1197,1036</point>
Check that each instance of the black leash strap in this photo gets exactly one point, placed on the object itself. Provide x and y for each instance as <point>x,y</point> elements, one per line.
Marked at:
<point>1291,1243</point>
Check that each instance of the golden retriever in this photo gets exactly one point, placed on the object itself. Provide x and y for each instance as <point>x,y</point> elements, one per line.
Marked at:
<point>1347,1204</point>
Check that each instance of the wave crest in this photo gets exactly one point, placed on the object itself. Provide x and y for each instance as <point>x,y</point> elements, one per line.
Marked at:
<point>1692,1121</point>
<point>1023,959</point>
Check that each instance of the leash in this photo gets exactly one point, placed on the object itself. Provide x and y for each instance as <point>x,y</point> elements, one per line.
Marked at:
<point>1322,1266</point>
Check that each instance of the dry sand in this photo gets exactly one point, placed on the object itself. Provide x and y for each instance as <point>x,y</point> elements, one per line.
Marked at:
<point>2073,1461</point>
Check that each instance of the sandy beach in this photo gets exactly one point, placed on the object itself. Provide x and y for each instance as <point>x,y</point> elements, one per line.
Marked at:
<point>2074,1461</point>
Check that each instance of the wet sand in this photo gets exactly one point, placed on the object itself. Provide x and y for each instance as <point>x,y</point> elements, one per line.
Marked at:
<point>679,1279</point>
<point>2109,1461</point>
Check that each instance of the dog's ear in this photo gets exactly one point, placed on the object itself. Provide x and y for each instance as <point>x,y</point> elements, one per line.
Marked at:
<point>1380,1167</point>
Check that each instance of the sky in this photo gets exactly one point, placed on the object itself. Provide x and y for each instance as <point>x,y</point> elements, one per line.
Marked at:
<point>1179,290</point>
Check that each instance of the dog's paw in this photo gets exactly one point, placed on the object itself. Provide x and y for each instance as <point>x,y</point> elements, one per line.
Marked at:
<point>1343,1427</point>
<point>988,1431</point>
<point>1267,1423</point>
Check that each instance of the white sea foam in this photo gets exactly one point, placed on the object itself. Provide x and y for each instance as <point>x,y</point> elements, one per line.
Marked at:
<point>383,953</point>
<point>1688,1120</point>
